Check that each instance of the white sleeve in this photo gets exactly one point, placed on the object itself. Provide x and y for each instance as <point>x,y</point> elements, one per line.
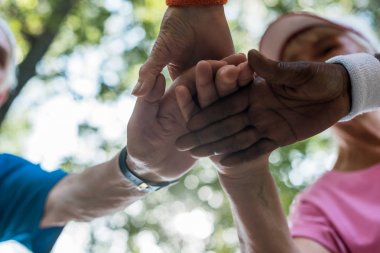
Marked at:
<point>364,72</point>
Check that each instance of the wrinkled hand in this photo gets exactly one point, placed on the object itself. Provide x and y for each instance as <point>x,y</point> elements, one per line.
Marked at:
<point>187,35</point>
<point>155,125</point>
<point>212,85</point>
<point>286,103</point>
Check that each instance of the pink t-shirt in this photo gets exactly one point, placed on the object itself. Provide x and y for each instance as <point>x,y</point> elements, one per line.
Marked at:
<point>341,211</point>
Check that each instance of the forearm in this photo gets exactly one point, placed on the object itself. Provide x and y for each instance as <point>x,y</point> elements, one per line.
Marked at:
<point>261,223</point>
<point>97,191</point>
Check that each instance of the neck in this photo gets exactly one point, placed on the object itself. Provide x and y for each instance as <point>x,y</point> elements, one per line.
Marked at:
<point>356,155</point>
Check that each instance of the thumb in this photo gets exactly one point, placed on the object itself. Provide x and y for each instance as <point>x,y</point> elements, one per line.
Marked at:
<point>291,74</point>
<point>157,60</point>
<point>149,105</point>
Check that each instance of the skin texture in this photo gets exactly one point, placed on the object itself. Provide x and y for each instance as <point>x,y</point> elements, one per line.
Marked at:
<point>288,102</point>
<point>187,35</point>
<point>155,125</point>
<point>97,191</point>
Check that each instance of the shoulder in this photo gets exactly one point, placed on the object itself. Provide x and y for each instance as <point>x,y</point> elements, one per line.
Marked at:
<point>16,172</point>
<point>11,161</point>
<point>24,187</point>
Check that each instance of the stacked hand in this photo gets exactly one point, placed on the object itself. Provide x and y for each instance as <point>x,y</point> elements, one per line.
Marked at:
<point>187,35</point>
<point>210,87</point>
<point>285,103</point>
<point>155,125</point>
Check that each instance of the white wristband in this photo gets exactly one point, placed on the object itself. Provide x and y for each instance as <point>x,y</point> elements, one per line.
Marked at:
<point>364,72</point>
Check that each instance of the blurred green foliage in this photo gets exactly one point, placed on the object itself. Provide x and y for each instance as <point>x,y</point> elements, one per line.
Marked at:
<point>124,32</point>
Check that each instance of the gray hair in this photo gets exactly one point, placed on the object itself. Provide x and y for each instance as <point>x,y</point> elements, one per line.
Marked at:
<point>10,80</point>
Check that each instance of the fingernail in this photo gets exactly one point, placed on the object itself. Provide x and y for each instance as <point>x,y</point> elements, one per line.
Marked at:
<point>137,88</point>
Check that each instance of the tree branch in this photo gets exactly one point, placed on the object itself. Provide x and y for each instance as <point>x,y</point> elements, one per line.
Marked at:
<point>39,46</point>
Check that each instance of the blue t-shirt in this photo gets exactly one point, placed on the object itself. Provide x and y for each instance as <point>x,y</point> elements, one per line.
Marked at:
<point>24,188</point>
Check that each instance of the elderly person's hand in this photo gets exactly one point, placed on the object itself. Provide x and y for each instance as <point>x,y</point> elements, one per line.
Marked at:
<point>287,102</point>
<point>155,125</point>
<point>211,85</point>
<point>187,35</point>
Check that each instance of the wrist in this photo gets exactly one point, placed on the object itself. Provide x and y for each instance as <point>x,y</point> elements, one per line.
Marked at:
<point>140,170</point>
<point>245,190</point>
<point>364,74</point>
<point>141,184</point>
<point>241,181</point>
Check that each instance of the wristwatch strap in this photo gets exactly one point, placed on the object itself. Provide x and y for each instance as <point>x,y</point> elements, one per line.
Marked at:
<point>141,184</point>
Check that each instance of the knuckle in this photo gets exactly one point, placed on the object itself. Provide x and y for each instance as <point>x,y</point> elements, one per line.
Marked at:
<point>143,70</point>
<point>305,70</point>
<point>239,142</point>
<point>266,146</point>
<point>242,120</point>
<point>248,156</point>
<point>251,136</point>
<point>161,47</point>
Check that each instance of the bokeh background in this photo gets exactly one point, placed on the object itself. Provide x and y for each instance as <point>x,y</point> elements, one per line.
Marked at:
<point>78,61</point>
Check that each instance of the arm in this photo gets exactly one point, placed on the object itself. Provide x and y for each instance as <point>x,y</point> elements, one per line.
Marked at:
<point>260,221</point>
<point>255,205</point>
<point>190,31</point>
<point>99,190</point>
<point>103,189</point>
<point>155,124</point>
<point>256,208</point>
